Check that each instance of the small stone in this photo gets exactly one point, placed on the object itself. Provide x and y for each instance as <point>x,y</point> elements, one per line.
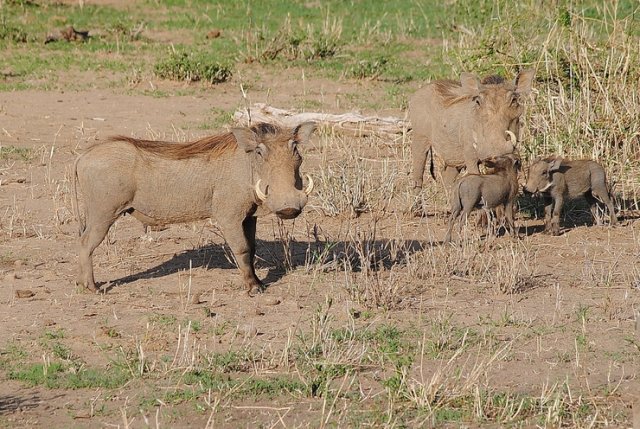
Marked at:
<point>214,34</point>
<point>272,301</point>
<point>248,330</point>
<point>18,263</point>
<point>24,293</point>
<point>195,299</point>
<point>10,276</point>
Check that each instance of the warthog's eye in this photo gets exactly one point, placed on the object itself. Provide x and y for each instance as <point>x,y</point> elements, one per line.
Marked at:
<point>261,150</point>
<point>514,100</point>
<point>477,99</point>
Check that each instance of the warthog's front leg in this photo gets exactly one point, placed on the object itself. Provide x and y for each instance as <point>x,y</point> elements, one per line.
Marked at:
<point>555,215</point>
<point>419,159</point>
<point>242,241</point>
<point>509,221</point>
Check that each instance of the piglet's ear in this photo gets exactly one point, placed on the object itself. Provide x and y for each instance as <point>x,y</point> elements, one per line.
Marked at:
<point>246,139</point>
<point>555,164</point>
<point>303,132</point>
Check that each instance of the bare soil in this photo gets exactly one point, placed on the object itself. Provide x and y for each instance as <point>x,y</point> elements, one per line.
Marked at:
<point>185,272</point>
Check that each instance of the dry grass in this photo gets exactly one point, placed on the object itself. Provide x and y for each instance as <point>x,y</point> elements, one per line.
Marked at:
<point>386,326</point>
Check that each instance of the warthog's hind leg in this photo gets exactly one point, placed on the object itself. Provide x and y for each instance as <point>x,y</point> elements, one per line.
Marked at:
<point>92,236</point>
<point>601,196</point>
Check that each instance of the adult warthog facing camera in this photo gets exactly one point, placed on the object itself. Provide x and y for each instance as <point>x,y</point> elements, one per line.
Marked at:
<point>231,177</point>
<point>465,122</point>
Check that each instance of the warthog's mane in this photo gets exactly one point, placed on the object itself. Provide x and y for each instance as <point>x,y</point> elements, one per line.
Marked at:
<point>451,90</point>
<point>207,147</point>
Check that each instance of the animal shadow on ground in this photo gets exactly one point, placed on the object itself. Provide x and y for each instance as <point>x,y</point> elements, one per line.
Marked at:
<point>279,257</point>
<point>11,403</point>
<point>575,213</point>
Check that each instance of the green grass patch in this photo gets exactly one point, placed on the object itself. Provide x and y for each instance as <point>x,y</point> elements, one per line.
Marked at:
<point>252,386</point>
<point>217,120</point>
<point>15,153</point>
<point>57,375</point>
<point>192,67</point>
<point>163,319</point>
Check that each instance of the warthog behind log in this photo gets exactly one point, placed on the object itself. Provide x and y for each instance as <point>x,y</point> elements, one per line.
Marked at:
<point>559,179</point>
<point>465,122</point>
<point>487,191</point>
<point>231,177</point>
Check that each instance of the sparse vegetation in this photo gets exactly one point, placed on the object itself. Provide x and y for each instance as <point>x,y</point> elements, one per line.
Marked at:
<point>192,68</point>
<point>368,320</point>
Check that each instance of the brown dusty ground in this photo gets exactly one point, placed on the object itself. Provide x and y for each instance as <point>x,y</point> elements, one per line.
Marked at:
<point>159,273</point>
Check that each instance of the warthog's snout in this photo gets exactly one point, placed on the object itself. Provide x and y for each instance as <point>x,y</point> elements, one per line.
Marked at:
<point>288,213</point>
<point>286,205</point>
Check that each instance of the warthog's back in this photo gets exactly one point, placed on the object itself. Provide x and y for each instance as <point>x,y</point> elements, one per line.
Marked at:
<point>162,190</point>
<point>582,175</point>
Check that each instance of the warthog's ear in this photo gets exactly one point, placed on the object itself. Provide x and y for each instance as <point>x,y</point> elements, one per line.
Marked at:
<point>524,80</point>
<point>303,132</point>
<point>470,83</point>
<point>555,164</point>
<point>246,139</point>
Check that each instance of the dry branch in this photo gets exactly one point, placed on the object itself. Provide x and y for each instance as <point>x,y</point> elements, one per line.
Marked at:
<point>351,122</point>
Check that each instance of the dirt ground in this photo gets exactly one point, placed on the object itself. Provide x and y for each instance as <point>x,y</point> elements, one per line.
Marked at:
<point>184,271</point>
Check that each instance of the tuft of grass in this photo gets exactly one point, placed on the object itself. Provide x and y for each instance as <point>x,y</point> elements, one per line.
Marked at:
<point>16,153</point>
<point>192,67</point>
<point>56,375</point>
<point>219,118</point>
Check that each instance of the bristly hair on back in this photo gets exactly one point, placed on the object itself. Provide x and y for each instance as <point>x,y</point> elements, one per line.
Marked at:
<point>449,90</point>
<point>207,147</point>
<point>493,79</point>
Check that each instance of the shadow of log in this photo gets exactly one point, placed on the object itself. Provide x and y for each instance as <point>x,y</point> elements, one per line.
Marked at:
<point>11,403</point>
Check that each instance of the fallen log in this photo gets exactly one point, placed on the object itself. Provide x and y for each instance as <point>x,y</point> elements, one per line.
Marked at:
<point>350,123</point>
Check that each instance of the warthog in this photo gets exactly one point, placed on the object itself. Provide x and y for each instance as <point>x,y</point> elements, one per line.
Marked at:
<point>231,177</point>
<point>465,122</point>
<point>559,179</point>
<point>487,191</point>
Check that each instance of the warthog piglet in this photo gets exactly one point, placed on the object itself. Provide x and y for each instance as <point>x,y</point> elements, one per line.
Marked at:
<point>487,191</point>
<point>559,179</point>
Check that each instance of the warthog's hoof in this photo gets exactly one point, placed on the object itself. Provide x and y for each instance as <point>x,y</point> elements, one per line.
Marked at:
<point>417,211</point>
<point>254,290</point>
<point>89,286</point>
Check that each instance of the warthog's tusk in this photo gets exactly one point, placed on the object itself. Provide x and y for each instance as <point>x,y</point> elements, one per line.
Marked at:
<point>512,137</point>
<point>261,195</point>
<point>309,187</point>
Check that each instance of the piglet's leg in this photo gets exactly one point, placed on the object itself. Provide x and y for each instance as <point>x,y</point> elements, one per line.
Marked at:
<point>603,195</point>
<point>555,216</point>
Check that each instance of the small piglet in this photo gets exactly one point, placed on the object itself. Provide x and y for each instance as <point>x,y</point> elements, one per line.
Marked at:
<point>487,191</point>
<point>560,179</point>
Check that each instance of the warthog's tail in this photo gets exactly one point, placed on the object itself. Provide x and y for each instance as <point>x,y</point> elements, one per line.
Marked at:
<point>74,199</point>
<point>431,167</point>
